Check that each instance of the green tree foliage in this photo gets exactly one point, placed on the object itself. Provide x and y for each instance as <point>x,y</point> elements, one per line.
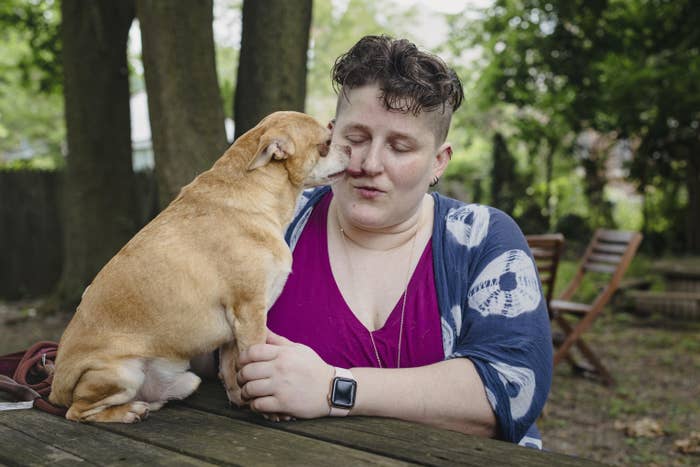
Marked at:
<point>31,105</point>
<point>35,24</point>
<point>626,69</point>
<point>335,28</point>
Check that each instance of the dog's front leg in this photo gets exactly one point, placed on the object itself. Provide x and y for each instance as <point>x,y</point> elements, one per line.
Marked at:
<point>228,357</point>
<point>249,328</point>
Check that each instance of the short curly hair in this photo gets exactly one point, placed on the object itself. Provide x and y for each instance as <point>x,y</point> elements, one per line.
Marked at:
<point>410,80</point>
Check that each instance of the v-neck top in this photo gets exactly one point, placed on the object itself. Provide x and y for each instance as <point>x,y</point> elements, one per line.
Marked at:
<point>311,310</point>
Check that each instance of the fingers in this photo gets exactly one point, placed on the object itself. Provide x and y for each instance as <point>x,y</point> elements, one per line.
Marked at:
<point>268,405</point>
<point>257,353</point>
<point>256,389</point>
<point>253,371</point>
<point>274,417</point>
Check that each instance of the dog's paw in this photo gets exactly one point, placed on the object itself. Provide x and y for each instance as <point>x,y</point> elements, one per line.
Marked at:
<point>136,412</point>
<point>234,397</point>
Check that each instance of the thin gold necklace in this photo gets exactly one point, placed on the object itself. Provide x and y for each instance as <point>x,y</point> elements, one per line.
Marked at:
<point>405,290</point>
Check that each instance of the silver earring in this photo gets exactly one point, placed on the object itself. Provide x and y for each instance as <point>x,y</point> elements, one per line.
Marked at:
<point>434,181</point>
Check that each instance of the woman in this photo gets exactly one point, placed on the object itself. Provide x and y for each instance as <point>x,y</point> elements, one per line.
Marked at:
<point>403,304</point>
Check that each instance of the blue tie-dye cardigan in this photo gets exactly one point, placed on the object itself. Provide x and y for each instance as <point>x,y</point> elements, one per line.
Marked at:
<point>491,306</point>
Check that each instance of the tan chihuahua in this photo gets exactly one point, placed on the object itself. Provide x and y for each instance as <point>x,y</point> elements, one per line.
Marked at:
<point>200,276</point>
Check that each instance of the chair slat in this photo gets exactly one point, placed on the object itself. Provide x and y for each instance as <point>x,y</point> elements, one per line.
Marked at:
<point>598,258</point>
<point>541,253</point>
<point>615,236</point>
<point>610,247</point>
<point>600,267</point>
<point>570,307</point>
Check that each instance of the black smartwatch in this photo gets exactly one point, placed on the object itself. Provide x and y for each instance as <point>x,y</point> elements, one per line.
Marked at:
<point>342,395</point>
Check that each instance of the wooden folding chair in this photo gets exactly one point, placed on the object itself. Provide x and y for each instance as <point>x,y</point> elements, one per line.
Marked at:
<point>546,249</point>
<point>609,254</point>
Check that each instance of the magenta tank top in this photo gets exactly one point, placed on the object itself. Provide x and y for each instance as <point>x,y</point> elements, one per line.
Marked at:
<point>312,311</point>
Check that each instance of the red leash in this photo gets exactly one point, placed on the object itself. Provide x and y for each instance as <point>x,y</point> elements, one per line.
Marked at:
<point>28,375</point>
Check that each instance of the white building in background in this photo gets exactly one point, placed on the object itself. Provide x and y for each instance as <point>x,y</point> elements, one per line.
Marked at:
<point>142,147</point>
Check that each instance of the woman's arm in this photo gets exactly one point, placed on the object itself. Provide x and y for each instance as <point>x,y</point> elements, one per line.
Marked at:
<point>284,378</point>
<point>447,394</point>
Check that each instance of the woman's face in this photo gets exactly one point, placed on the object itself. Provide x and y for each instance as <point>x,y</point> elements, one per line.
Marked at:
<point>394,157</point>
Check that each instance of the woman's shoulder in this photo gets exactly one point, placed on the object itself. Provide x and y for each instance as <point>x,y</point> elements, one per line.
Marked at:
<point>449,206</point>
<point>469,223</point>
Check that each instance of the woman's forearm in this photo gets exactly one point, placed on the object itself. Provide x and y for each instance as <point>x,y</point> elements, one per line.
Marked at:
<point>447,394</point>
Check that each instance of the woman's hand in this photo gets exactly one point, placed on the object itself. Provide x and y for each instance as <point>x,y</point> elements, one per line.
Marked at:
<point>282,379</point>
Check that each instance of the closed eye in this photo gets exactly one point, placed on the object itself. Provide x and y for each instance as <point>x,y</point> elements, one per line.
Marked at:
<point>356,139</point>
<point>401,148</point>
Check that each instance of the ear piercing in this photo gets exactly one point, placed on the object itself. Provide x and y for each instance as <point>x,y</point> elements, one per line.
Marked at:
<point>435,181</point>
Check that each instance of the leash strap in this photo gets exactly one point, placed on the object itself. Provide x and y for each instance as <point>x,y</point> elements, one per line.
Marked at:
<point>28,375</point>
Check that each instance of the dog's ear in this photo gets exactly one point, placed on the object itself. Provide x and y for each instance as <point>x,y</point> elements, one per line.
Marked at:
<point>278,148</point>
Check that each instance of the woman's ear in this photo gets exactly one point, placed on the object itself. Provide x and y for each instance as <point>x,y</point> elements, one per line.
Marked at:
<point>442,158</point>
<point>276,147</point>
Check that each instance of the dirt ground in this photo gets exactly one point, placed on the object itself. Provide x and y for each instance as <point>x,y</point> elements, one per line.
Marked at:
<point>651,416</point>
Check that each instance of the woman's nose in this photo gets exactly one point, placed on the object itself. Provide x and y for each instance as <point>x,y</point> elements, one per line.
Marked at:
<point>367,161</point>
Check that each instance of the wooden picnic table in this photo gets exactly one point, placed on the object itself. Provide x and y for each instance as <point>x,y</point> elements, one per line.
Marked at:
<point>681,275</point>
<point>681,295</point>
<point>204,430</point>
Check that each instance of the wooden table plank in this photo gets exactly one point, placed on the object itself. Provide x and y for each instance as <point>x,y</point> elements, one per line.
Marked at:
<point>31,437</point>
<point>223,440</point>
<point>393,438</point>
<point>17,448</point>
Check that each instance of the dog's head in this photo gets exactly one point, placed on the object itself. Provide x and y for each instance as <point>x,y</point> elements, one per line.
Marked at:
<point>302,146</point>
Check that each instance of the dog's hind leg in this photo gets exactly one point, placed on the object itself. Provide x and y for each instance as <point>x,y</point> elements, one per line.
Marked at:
<point>167,380</point>
<point>107,395</point>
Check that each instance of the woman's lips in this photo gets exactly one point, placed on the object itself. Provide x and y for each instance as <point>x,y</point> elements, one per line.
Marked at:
<point>368,192</point>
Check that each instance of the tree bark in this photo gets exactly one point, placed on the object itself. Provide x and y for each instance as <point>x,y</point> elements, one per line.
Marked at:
<point>692,184</point>
<point>98,196</point>
<point>503,175</point>
<point>272,64</point>
<point>184,102</point>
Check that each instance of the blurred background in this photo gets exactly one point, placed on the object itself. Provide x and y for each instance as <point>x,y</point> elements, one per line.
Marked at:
<point>578,115</point>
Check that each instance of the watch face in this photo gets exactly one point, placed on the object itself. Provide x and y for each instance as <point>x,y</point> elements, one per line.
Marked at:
<point>343,393</point>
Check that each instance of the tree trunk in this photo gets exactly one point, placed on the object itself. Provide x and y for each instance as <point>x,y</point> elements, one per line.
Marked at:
<point>503,175</point>
<point>184,103</point>
<point>693,187</point>
<point>552,145</point>
<point>98,197</point>
<point>595,180</point>
<point>272,64</point>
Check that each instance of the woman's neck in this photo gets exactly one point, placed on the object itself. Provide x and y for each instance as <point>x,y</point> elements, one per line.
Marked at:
<point>380,239</point>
